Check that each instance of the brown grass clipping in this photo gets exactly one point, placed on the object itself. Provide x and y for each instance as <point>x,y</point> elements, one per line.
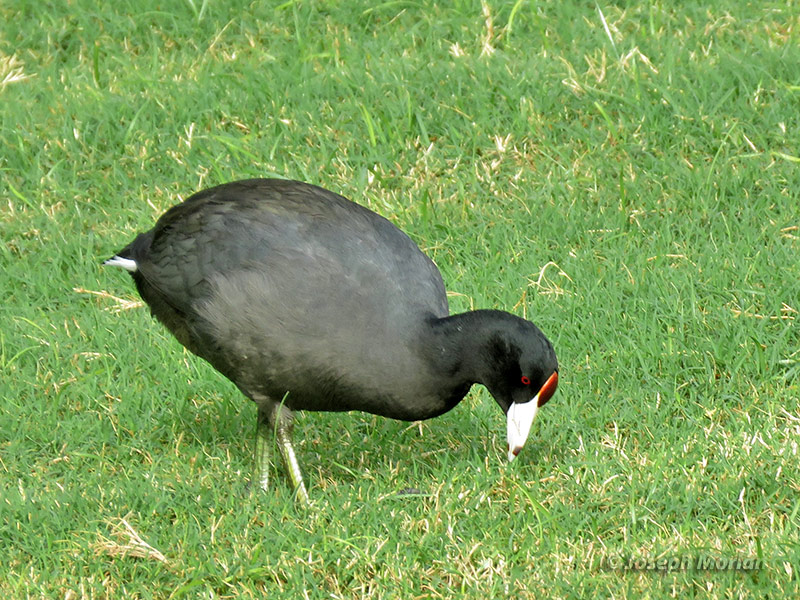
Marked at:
<point>127,542</point>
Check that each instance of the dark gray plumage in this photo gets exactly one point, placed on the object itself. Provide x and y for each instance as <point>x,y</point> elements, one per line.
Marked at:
<point>286,287</point>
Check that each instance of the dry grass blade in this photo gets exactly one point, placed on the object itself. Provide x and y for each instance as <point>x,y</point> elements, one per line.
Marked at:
<point>12,70</point>
<point>130,544</point>
<point>121,303</point>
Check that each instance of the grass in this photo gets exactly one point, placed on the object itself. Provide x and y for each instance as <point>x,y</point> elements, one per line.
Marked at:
<point>625,176</point>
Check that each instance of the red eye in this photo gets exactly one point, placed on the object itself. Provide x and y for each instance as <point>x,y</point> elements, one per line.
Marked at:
<point>525,380</point>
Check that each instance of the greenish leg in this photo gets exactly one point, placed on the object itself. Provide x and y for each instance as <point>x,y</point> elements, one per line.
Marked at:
<point>264,443</point>
<point>290,460</point>
<point>277,420</point>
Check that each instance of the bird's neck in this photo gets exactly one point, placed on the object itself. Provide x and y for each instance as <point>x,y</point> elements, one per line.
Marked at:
<point>456,345</point>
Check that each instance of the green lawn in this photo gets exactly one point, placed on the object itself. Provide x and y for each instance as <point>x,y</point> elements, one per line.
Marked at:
<point>626,177</point>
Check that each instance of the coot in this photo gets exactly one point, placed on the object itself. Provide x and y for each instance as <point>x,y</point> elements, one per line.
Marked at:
<point>308,301</point>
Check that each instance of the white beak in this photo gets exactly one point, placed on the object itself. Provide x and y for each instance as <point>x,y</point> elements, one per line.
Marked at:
<point>519,420</point>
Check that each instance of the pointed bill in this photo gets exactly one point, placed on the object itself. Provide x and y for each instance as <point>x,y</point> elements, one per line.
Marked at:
<point>518,425</point>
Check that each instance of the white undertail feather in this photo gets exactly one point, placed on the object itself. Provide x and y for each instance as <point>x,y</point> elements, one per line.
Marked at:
<point>125,263</point>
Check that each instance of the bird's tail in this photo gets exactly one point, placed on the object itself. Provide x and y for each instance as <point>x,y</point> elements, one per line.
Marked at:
<point>125,263</point>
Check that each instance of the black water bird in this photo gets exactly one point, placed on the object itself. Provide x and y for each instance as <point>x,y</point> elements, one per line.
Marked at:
<point>308,301</point>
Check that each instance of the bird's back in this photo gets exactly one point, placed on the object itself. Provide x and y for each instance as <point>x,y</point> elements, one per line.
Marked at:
<point>285,286</point>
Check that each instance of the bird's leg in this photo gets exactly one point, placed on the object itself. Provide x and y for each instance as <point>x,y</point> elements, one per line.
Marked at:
<point>264,440</point>
<point>283,431</point>
<point>275,422</point>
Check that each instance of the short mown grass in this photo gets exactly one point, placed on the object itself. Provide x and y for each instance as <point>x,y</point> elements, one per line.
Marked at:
<point>626,176</point>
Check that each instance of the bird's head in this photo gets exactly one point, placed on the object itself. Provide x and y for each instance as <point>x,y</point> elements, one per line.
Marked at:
<point>521,374</point>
